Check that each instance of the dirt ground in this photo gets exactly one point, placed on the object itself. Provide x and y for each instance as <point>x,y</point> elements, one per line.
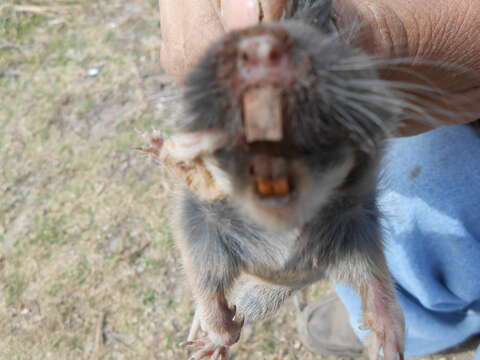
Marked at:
<point>88,269</point>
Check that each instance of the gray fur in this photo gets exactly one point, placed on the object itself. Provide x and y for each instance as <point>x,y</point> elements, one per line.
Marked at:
<point>316,13</point>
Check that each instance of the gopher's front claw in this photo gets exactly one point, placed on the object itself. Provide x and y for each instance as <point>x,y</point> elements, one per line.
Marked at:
<point>156,141</point>
<point>208,349</point>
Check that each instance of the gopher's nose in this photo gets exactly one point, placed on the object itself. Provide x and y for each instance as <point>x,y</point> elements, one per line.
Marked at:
<point>260,50</point>
<point>263,58</point>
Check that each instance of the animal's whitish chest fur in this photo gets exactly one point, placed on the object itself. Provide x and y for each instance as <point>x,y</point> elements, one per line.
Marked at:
<point>282,245</point>
<point>272,254</point>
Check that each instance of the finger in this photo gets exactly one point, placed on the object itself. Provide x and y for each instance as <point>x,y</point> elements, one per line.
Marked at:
<point>202,28</point>
<point>173,37</point>
<point>466,105</point>
<point>237,14</point>
<point>454,109</point>
<point>400,29</point>
<point>188,27</point>
<point>272,10</point>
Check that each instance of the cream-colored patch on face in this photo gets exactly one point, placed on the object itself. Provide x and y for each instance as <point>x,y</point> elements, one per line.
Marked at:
<point>320,192</point>
<point>188,159</point>
<point>220,177</point>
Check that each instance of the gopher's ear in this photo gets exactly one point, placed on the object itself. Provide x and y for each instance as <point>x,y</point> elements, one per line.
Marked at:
<point>316,12</point>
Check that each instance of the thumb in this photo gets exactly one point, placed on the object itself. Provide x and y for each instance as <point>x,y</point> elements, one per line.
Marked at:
<point>237,14</point>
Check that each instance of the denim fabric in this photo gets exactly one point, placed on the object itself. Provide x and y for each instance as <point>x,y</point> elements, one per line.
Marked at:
<point>430,196</point>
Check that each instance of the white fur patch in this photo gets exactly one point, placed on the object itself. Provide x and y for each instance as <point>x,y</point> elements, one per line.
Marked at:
<point>220,177</point>
<point>321,192</point>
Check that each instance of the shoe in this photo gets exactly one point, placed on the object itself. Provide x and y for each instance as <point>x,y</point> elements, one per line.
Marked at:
<point>324,329</point>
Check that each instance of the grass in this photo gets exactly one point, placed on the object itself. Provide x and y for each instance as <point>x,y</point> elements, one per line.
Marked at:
<point>88,269</point>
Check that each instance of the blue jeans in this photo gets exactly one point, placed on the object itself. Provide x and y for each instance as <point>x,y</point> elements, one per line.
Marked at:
<point>430,196</point>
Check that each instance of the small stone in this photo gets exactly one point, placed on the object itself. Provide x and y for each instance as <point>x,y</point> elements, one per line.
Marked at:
<point>55,21</point>
<point>140,269</point>
<point>93,72</point>
<point>25,311</point>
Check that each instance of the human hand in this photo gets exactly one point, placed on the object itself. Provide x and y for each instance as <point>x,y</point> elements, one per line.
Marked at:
<point>189,26</point>
<point>440,39</point>
<point>439,36</point>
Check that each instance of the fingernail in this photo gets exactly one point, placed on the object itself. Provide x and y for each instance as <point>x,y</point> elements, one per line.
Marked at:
<point>238,14</point>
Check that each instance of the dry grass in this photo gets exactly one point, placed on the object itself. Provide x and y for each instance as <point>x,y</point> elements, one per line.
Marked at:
<point>87,265</point>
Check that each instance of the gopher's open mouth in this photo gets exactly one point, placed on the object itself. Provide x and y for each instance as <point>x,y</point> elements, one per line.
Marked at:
<point>271,176</point>
<point>263,119</point>
<point>264,133</point>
